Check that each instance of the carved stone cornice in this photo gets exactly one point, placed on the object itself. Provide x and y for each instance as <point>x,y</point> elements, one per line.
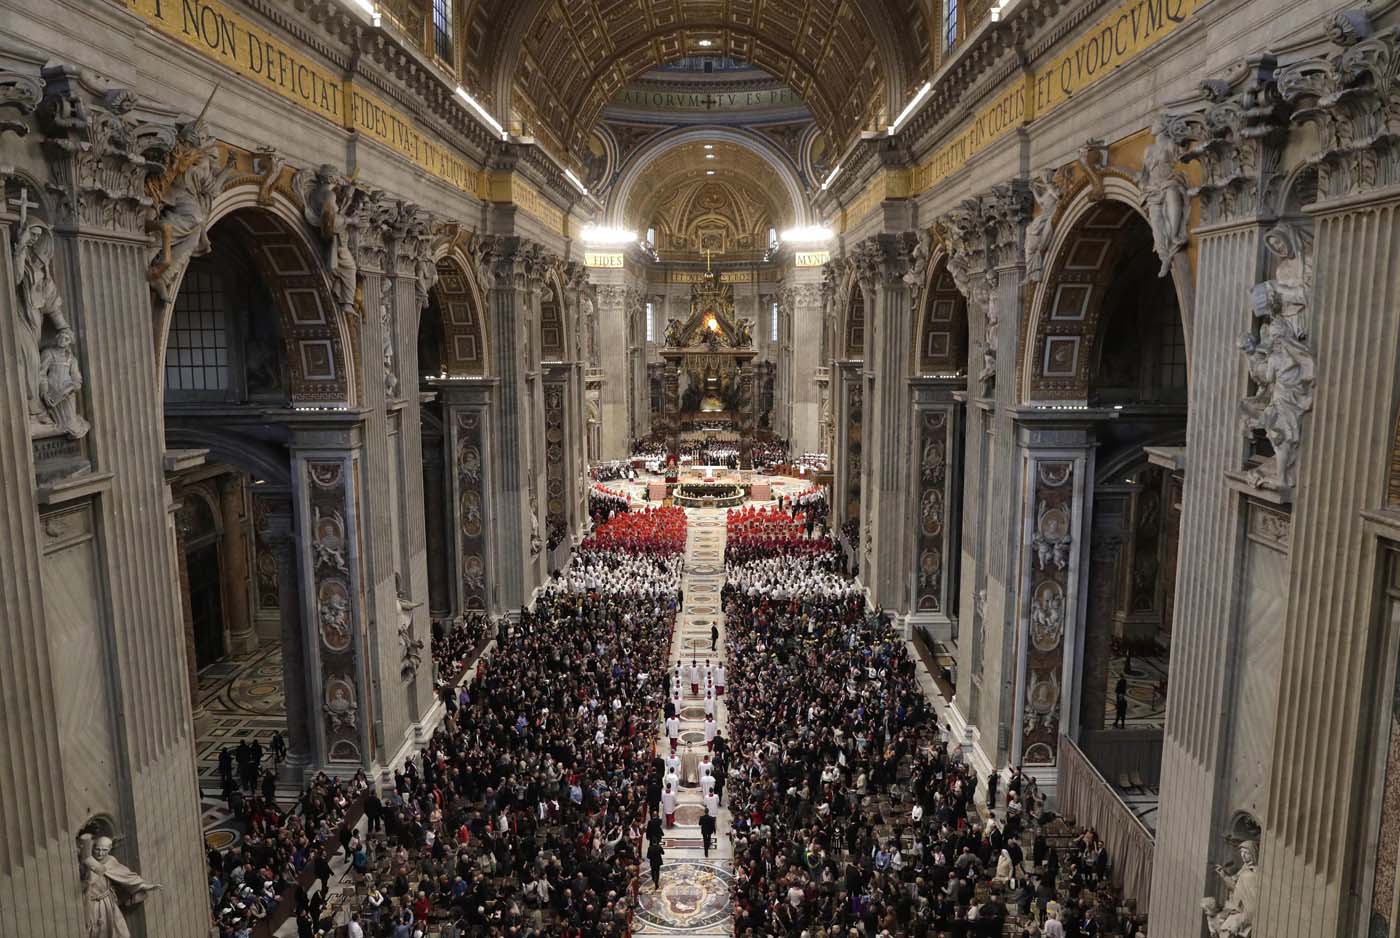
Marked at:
<point>1353,98</point>
<point>1238,141</point>
<point>882,260</point>
<point>22,93</point>
<point>98,152</point>
<point>1006,210</point>
<point>510,262</point>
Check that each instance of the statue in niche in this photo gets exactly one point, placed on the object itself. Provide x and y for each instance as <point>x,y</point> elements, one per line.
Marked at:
<point>40,304</point>
<point>182,196</point>
<point>743,333</point>
<point>60,382</point>
<point>330,201</point>
<point>1042,228</point>
<point>386,324</point>
<point>1236,918</point>
<point>986,300</point>
<point>1281,364</point>
<point>673,333</point>
<point>536,543</point>
<point>105,880</point>
<point>587,336</point>
<point>1164,195</point>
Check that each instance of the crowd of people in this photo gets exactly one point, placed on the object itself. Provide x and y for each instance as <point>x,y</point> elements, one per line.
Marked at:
<point>612,470</point>
<point>621,573</point>
<point>754,532</point>
<point>603,503</point>
<point>852,815</point>
<point>769,453</point>
<point>524,814</point>
<point>709,453</point>
<point>456,642</point>
<point>655,532</point>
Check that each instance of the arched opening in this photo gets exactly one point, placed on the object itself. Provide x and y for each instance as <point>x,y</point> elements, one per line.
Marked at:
<point>451,355</point>
<point>251,332</point>
<point>938,373</point>
<point>1111,335</point>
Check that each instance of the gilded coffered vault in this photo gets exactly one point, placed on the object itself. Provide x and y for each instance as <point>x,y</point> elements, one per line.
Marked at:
<point>563,61</point>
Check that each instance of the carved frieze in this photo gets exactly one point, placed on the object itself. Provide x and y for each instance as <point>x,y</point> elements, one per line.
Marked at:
<point>328,492</point>
<point>933,478</point>
<point>1046,609</point>
<point>468,432</point>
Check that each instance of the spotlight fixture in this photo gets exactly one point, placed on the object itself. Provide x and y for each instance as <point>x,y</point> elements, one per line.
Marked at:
<point>481,112</point>
<point>709,172</point>
<point>709,146</point>
<point>909,108</point>
<point>813,234</point>
<point>705,43</point>
<point>614,237</point>
<point>709,156</point>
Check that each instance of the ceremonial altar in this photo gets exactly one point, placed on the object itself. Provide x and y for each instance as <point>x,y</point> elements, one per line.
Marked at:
<point>708,382</point>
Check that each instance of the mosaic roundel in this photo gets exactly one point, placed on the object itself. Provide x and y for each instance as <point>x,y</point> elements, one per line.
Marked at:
<point>220,839</point>
<point>689,814</point>
<point>693,895</point>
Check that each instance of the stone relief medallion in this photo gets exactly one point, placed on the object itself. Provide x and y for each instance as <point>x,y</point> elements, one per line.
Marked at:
<point>325,474</point>
<point>931,511</point>
<point>1038,754</point>
<point>333,609</point>
<point>554,435</point>
<point>1047,616</point>
<point>344,750</point>
<point>471,514</point>
<point>555,506</point>
<point>469,463</point>
<point>1054,474</point>
<point>694,894</point>
<point>473,572</point>
<point>930,563</point>
<point>1053,524</point>
<point>1042,699</point>
<point>342,711</point>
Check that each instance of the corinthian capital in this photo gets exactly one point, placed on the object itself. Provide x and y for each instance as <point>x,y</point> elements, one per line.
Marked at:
<point>1238,142</point>
<point>1006,210</point>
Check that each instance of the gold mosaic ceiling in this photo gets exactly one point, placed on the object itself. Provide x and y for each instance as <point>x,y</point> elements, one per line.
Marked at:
<point>564,60</point>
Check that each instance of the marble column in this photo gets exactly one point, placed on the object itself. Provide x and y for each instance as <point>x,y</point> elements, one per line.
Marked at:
<point>467,417</point>
<point>282,540</point>
<point>328,504</point>
<point>1057,466</point>
<point>39,888</point>
<point>97,189</point>
<point>937,484</point>
<point>512,265</point>
<point>887,560</point>
<point>613,361</point>
<point>805,340</point>
<point>235,552</point>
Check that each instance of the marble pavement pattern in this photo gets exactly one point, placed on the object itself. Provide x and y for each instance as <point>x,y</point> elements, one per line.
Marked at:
<point>694,898</point>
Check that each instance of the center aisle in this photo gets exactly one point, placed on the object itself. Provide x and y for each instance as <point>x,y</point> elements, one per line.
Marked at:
<point>694,897</point>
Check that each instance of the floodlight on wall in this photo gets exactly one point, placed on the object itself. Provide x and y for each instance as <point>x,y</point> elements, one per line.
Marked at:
<point>709,146</point>
<point>705,43</point>
<point>831,177</point>
<point>709,172</point>
<point>609,237</point>
<point>909,108</point>
<point>812,234</point>
<point>578,183</point>
<point>368,7</point>
<point>481,112</point>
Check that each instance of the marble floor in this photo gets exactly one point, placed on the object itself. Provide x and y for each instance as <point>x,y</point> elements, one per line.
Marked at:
<point>238,699</point>
<point>1147,699</point>
<point>694,895</point>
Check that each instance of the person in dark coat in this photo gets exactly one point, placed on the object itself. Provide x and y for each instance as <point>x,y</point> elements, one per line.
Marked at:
<point>655,855</point>
<point>707,830</point>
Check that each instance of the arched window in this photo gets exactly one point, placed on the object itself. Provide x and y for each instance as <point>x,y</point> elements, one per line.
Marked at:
<point>197,352</point>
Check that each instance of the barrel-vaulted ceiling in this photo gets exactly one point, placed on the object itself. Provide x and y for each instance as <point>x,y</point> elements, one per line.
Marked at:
<point>555,64</point>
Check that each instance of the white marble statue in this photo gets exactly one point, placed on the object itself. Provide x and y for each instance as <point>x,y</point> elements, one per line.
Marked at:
<point>60,383</point>
<point>1236,918</point>
<point>1164,195</point>
<point>40,303</point>
<point>329,202</point>
<point>985,298</point>
<point>105,882</point>
<point>1042,228</point>
<point>386,323</point>
<point>182,196</point>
